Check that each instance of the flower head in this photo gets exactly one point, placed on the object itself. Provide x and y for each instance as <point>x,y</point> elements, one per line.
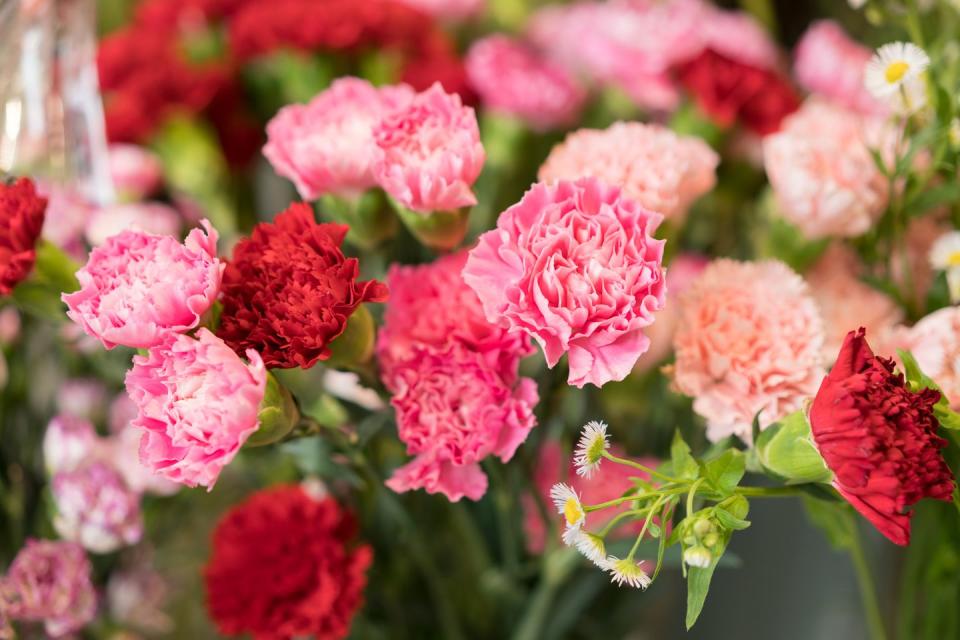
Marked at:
<point>150,217</point>
<point>895,75</point>
<point>592,547</point>
<point>935,342</point>
<point>198,403</point>
<point>697,556</point>
<point>575,266</point>
<point>68,442</point>
<point>289,290</point>
<point>430,152</point>
<point>285,565</point>
<point>137,289</point>
<point>567,502</point>
<point>879,438</point>
<point>945,256</point>
<point>589,452</point>
<point>96,508</point>
<point>627,572</point>
<point>21,220</point>
<point>135,170</point>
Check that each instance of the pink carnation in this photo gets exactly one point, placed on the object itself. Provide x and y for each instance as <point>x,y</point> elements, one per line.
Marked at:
<point>66,217</point>
<point>575,266</point>
<point>327,145</point>
<point>138,288</point>
<point>512,79</point>
<point>150,217</point>
<point>935,343</point>
<point>662,171</point>
<point>123,450</point>
<point>136,171</point>
<point>198,403</point>
<point>455,316</point>
<point>431,152</point>
<point>827,62</point>
<point>82,397</point>
<point>96,508</point>
<point>738,36</point>
<point>823,176</point>
<point>451,10</point>
<point>68,443</point>
<point>748,345</point>
<point>453,410</point>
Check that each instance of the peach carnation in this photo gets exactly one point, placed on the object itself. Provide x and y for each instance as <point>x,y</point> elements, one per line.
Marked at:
<point>823,176</point>
<point>748,345</point>
<point>935,342</point>
<point>662,171</point>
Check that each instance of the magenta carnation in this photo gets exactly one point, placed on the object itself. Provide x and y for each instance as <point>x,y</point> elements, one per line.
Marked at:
<point>139,288</point>
<point>198,403</point>
<point>575,266</point>
<point>430,152</point>
<point>327,145</point>
<point>96,508</point>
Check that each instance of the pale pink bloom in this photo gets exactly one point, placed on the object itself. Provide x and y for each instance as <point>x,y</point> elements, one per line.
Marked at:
<point>136,171</point>
<point>198,403</point>
<point>935,343</point>
<point>66,216</point>
<point>738,36</point>
<point>150,217</point>
<point>822,172</point>
<point>455,316</point>
<point>654,92</point>
<point>448,10</point>
<point>122,449</point>
<point>662,171</point>
<point>138,288</point>
<point>846,302</point>
<point>431,152</point>
<point>49,582</point>
<point>827,62</point>
<point>576,267</point>
<point>68,443</point>
<point>512,79</point>
<point>82,397</point>
<point>123,411</point>
<point>96,508</point>
<point>327,145</point>
<point>748,345</point>
<point>454,410</point>
<point>9,325</point>
<point>137,594</point>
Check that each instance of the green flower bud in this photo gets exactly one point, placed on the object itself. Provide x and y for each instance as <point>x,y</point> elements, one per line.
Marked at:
<point>439,230</point>
<point>278,414</point>
<point>354,347</point>
<point>702,527</point>
<point>786,449</point>
<point>368,215</point>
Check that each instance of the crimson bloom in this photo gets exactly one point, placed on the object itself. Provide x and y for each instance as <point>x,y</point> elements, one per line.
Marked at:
<point>285,565</point>
<point>289,290</point>
<point>21,219</point>
<point>879,438</point>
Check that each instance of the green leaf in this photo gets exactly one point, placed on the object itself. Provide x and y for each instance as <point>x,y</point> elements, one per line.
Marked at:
<point>725,471</point>
<point>917,379</point>
<point>730,517</point>
<point>684,466</point>
<point>698,584</point>
<point>933,197</point>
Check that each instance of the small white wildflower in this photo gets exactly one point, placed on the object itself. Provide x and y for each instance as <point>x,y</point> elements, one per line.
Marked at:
<point>592,547</point>
<point>894,74</point>
<point>698,556</point>
<point>628,572</point>
<point>568,505</point>
<point>589,453</point>
<point>945,256</point>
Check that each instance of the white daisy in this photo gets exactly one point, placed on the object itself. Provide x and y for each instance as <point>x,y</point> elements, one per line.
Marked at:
<point>627,572</point>
<point>568,505</point>
<point>589,452</point>
<point>592,547</point>
<point>894,74</point>
<point>945,256</point>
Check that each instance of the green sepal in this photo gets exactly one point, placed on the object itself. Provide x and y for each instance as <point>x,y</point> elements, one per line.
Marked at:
<point>917,380</point>
<point>278,414</point>
<point>786,450</point>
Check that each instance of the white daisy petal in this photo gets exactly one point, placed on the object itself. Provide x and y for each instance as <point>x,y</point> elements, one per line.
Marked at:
<point>592,547</point>
<point>627,572</point>
<point>894,74</point>
<point>589,452</point>
<point>568,505</point>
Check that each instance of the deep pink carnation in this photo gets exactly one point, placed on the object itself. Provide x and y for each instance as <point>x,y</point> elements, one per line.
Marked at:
<point>575,266</point>
<point>139,288</point>
<point>514,80</point>
<point>431,152</point>
<point>327,145</point>
<point>453,410</point>
<point>96,508</point>
<point>136,171</point>
<point>198,403</point>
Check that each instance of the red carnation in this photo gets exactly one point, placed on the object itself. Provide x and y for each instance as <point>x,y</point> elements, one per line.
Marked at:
<point>879,438</point>
<point>288,291</point>
<point>730,91</point>
<point>285,565</point>
<point>21,219</point>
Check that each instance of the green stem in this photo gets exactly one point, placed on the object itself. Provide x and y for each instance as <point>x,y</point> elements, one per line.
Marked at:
<point>913,24</point>
<point>557,567</point>
<point>767,492</point>
<point>644,468</point>
<point>871,606</point>
<point>634,497</point>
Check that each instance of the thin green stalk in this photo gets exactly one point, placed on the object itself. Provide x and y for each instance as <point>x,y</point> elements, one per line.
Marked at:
<point>692,494</point>
<point>503,501</point>
<point>634,497</point>
<point>871,605</point>
<point>636,465</point>
<point>767,492</point>
<point>557,568</point>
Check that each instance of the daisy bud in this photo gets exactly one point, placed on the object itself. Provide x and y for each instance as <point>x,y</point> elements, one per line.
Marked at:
<point>697,556</point>
<point>278,414</point>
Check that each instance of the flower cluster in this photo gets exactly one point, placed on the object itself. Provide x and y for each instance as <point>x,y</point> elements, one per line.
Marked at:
<point>21,219</point>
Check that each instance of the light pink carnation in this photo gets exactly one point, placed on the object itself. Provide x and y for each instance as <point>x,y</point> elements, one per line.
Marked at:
<point>822,173</point>
<point>935,343</point>
<point>96,508</point>
<point>575,266</point>
<point>455,316</point>
<point>198,403</point>
<point>431,152</point>
<point>450,10</point>
<point>738,36</point>
<point>150,217</point>
<point>514,80</point>
<point>453,410</point>
<point>827,62</point>
<point>82,397</point>
<point>662,171</point>
<point>748,345</point>
<point>136,171</point>
<point>327,146</point>
<point>49,582</point>
<point>139,288</point>
<point>123,451</point>
<point>66,216</point>
<point>68,443</point>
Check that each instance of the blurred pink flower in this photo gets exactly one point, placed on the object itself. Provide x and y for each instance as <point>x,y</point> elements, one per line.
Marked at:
<point>935,343</point>
<point>453,410</point>
<point>136,171</point>
<point>662,171</point>
<point>448,10</point>
<point>828,63</point>
<point>198,403</point>
<point>738,36</point>
<point>122,449</point>
<point>82,397</point>
<point>136,595</point>
<point>748,345</point>
<point>512,79</point>
<point>68,443</point>
<point>96,508</point>
<point>66,217</point>
<point>9,325</point>
<point>138,288</point>
<point>150,217</point>
<point>455,316</point>
<point>327,145</point>
<point>823,176</point>
<point>49,582</point>
<point>431,152</point>
<point>575,266</point>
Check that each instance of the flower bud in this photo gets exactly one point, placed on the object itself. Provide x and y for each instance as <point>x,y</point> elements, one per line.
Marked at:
<point>278,414</point>
<point>440,230</point>
<point>367,214</point>
<point>786,449</point>
<point>354,346</point>
<point>702,528</point>
<point>697,556</point>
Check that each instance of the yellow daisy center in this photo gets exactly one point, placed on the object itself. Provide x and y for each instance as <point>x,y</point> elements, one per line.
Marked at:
<point>954,259</point>
<point>572,511</point>
<point>896,70</point>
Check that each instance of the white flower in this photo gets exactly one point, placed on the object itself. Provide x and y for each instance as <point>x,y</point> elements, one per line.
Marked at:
<point>589,453</point>
<point>592,547</point>
<point>568,505</point>
<point>627,572</point>
<point>856,4</point>
<point>894,74</point>
<point>945,256</point>
<point>697,556</point>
